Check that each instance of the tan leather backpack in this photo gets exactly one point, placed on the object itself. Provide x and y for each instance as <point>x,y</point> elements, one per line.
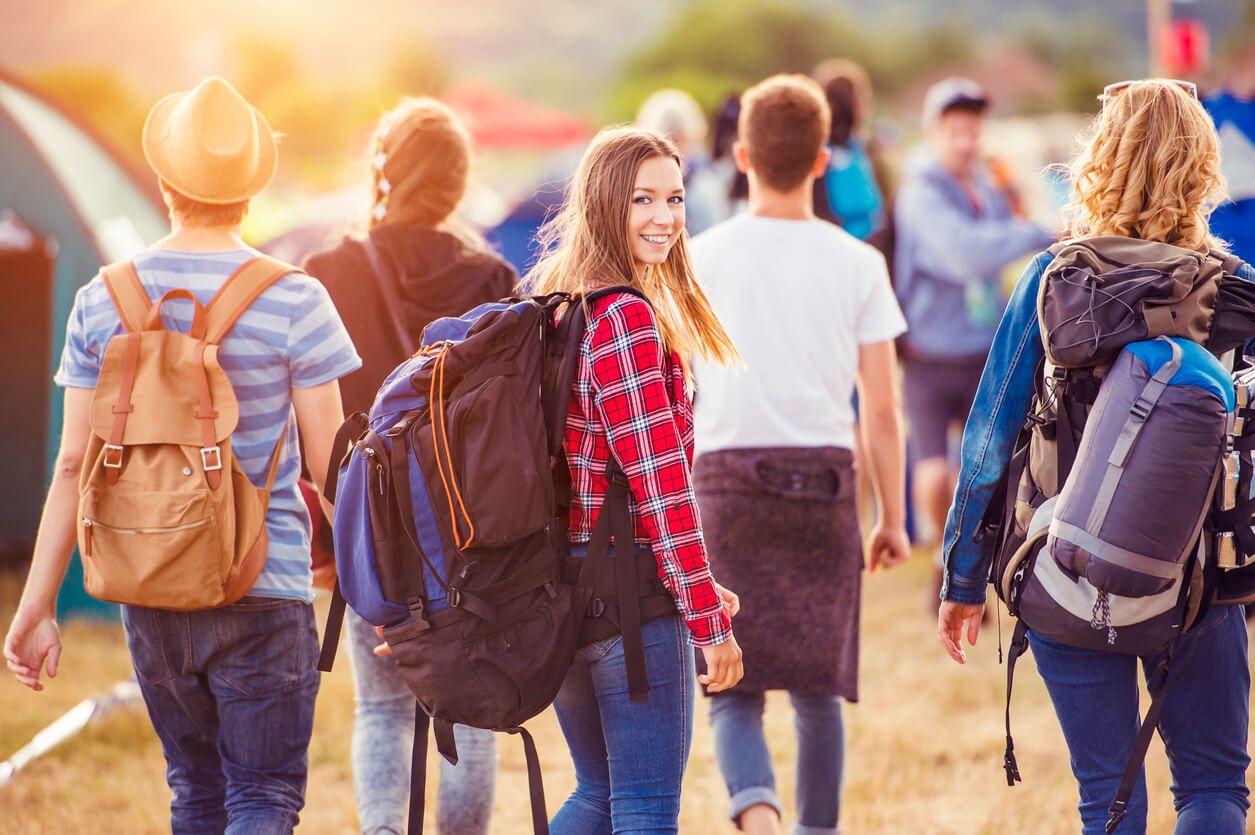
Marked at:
<point>167,519</point>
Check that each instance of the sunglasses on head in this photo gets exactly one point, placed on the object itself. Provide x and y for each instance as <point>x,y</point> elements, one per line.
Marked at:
<point>1111,89</point>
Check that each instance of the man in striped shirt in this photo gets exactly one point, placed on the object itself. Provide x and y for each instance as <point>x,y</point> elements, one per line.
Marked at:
<point>230,691</point>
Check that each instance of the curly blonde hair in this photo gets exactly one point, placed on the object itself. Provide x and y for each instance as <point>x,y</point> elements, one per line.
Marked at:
<point>586,244</point>
<point>1151,170</point>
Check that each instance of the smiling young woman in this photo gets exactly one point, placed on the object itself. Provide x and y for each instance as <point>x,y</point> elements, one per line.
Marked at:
<point>623,225</point>
<point>656,217</point>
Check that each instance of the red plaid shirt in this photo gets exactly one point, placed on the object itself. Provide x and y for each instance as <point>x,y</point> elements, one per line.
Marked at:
<point>630,397</point>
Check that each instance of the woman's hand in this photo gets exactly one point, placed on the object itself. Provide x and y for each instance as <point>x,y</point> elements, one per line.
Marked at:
<point>33,639</point>
<point>950,620</point>
<point>730,600</point>
<point>723,666</point>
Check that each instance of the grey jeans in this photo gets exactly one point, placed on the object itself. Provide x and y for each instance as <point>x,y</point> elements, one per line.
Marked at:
<point>383,738</point>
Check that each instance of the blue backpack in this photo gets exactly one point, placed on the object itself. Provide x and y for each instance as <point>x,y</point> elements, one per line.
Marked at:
<point>448,526</point>
<point>853,195</point>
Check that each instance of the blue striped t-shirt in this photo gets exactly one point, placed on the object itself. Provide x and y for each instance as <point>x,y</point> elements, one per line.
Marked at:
<point>291,337</point>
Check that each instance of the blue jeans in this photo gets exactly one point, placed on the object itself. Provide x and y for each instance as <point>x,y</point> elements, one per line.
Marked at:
<point>629,756</point>
<point>1203,725</point>
<point>230,693</point>
<point>383,744</point>
<point>741,748</point>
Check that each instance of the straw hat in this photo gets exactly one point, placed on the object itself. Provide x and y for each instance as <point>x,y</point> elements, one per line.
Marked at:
<point>210,144</point>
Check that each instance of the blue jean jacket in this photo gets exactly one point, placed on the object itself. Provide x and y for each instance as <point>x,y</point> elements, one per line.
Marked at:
<point>998,413</point>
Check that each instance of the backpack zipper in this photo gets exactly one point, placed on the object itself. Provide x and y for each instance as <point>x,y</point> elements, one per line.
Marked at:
<point>88,524</point>
<point>370,453</point>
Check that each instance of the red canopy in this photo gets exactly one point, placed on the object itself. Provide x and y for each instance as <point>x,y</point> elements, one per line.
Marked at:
<point>503,122</point>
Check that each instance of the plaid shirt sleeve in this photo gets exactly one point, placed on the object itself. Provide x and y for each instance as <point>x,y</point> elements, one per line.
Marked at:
<point>631,397</point>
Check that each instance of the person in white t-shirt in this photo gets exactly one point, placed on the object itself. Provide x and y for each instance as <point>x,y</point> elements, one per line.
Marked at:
<point>812,313</point>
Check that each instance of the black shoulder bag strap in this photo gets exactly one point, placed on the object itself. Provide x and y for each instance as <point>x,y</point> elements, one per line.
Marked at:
<point>391,296</point>
<point>352,429</point>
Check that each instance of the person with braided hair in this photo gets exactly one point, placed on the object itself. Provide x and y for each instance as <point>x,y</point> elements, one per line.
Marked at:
<point>416,264</point>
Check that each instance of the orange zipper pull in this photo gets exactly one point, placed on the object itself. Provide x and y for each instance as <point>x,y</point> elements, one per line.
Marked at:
<point>87,537</point>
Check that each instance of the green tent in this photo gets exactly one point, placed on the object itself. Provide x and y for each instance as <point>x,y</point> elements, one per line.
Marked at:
<point>67,206</point>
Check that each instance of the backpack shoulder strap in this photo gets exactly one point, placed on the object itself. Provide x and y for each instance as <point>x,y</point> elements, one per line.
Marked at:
<point>391,296</point>
<point>567,338</point>
<point>617,288</point>
<point>1229,262</point>
<point>128,294</point>
<point>239,291</point>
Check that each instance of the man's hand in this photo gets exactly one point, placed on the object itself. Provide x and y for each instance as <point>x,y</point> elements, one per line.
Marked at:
<point>723,666</point>
<point>887,547</point>
<point>950,620</point>
<point>32,640</point>
<point>730,600</point>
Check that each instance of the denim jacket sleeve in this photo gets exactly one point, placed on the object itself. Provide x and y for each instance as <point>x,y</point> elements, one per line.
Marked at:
<point>1002,402</point>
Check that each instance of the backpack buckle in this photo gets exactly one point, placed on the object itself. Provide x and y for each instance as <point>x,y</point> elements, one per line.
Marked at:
<point>113,457</point>
<point>415,605</point>
<point>211,458</point>
<point>1141,409</point>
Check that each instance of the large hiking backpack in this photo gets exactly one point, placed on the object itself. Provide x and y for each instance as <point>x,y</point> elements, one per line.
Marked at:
<point>450,535</point>
<point>1099,521</point>
<point>167,519</point>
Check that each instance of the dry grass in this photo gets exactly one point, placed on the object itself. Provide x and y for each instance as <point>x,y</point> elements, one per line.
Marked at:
<point>924,746</point>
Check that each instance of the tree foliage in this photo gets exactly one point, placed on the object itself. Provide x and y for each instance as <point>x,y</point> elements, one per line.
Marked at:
<point>714,47</point>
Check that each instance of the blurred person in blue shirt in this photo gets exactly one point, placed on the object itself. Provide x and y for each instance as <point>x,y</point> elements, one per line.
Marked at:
<point>1232,108</point>
<point>955,232</point>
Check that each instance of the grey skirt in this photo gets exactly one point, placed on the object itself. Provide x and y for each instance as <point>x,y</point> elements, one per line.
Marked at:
<point>782,531</point>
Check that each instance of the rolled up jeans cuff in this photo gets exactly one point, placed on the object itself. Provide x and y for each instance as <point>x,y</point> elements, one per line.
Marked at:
<point>753,796</point>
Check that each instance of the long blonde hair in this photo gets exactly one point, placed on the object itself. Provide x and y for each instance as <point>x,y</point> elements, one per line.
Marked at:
<point>1151,170</point>
<point>586,244</point>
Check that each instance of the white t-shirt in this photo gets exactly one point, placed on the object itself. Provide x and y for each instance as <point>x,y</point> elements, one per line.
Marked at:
<point>798,298</point>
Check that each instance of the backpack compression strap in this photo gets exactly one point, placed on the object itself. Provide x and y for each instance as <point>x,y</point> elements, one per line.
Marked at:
<point>615,518</point>
<point>443,731</point>
<point>1019,643</point>
<point>445,744</point>
<point>1120,806</point>
<point>133,305</point>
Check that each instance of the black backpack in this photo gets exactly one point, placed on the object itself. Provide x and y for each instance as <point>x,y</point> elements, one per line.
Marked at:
<point>451,534</point>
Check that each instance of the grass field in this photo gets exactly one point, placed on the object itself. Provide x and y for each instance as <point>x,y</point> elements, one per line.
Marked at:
<point>924,747</point>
